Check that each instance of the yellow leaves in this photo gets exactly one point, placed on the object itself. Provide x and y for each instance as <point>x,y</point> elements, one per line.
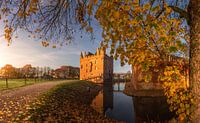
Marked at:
<point>155,9</point>
<point>179,99</point>
<point>147,78</point>
<point>32,8</point>
<point>129,23</point>
<point>116,14</point>
<point>171,70</point>
<point>45,43</point>
<point>127,8</point>
<point>54,46</point>
<point>89,29</point>
<point>150,18</point>
<point>147,6</point>
<point>9,114</point>
<point>181,117</point>
<point>5,10</point>
<point>168,10</point>
<point>21,14</point>
<point>95,2</point>
<point>8,33</point>
<point>133,22</point>
<point>1,113</point>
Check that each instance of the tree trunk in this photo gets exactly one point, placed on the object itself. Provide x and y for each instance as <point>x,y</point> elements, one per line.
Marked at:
<point>194,13</point>
<point>6,82</point>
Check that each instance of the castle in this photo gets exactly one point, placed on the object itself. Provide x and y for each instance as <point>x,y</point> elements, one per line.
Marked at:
<point>96,67</point>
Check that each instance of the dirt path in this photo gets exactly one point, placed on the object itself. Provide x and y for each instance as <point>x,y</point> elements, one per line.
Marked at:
<point>15,101</point>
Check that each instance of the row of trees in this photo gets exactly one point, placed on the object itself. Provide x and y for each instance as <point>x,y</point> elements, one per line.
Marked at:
<point>28,71</point>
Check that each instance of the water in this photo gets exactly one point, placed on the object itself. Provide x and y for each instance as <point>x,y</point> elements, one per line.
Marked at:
<point>112,102</point>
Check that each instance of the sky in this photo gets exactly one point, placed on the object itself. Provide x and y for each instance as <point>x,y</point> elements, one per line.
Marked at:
<point>25,50</point>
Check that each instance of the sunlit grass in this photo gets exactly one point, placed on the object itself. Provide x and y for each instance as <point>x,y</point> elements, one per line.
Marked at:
<point>14,83</point>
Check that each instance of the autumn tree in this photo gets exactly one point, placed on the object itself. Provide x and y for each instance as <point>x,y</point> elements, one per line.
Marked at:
<point>146,32</point>
<point>194,22</point>
<point>28,71</point>
<point>8,71</point>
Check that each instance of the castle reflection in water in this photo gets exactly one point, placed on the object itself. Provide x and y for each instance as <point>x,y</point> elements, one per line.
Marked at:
<point>104,100</point>
<point>112,102</point>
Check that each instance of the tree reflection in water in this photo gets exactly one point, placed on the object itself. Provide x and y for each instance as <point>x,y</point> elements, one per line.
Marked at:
<point>151,109</point>
<point>113,103</point>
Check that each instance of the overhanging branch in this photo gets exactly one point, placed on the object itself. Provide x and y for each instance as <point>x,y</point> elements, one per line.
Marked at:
<point>183,13</point>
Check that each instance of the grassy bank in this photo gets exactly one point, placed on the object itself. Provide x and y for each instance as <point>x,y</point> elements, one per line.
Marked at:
<point>68,102</point>
<point>14,83</point>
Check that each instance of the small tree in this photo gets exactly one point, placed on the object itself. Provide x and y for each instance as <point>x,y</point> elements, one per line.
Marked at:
<point>8,71</point>
<point>28,72</point>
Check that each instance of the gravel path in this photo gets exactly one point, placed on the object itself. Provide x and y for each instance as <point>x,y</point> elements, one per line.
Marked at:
<point>15,101</point>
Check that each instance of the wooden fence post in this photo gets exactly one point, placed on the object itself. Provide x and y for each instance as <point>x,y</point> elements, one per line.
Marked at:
<point>25,80</point>
<point>35,79</point>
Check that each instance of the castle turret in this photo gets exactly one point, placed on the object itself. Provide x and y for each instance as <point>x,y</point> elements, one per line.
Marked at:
<point>97,52</point>
<point>102,51</point>
<point>81,55</point>
<point>84,54</point>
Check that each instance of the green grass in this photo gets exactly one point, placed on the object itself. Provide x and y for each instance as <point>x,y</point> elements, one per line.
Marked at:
<point>14,83</point>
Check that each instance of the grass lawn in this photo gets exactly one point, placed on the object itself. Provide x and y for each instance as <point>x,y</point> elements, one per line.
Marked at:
<point>13,83</point>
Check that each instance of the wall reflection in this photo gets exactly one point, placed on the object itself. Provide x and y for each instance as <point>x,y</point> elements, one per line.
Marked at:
<point>104,100</point>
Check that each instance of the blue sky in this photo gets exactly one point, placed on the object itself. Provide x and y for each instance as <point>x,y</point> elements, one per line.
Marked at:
<point>25,50</point>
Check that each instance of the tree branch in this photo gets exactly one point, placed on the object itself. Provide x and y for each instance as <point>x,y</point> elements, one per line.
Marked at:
<point>183,13</point>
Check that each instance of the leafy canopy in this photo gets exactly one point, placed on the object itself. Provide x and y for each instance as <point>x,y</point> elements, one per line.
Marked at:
<point>146,33</point>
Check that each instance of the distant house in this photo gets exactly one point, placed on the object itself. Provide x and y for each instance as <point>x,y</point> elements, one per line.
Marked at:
<point>65,72</point>
<point>122,77</point>
<point>96,67</point>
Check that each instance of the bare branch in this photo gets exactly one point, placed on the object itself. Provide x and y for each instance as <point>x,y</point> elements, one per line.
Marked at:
<point>183,13</point>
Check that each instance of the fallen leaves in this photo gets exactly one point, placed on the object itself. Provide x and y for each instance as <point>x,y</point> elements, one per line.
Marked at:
<point>69,102</point>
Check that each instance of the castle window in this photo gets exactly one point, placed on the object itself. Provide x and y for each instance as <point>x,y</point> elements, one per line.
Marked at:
<point>81,66</point>
<point>90,66</point>
<point>95,68</point>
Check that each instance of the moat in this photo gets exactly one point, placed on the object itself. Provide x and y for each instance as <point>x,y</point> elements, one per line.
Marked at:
<point>113,103</point>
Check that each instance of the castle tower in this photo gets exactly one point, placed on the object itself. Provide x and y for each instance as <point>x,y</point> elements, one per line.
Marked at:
<point>96,67</point>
